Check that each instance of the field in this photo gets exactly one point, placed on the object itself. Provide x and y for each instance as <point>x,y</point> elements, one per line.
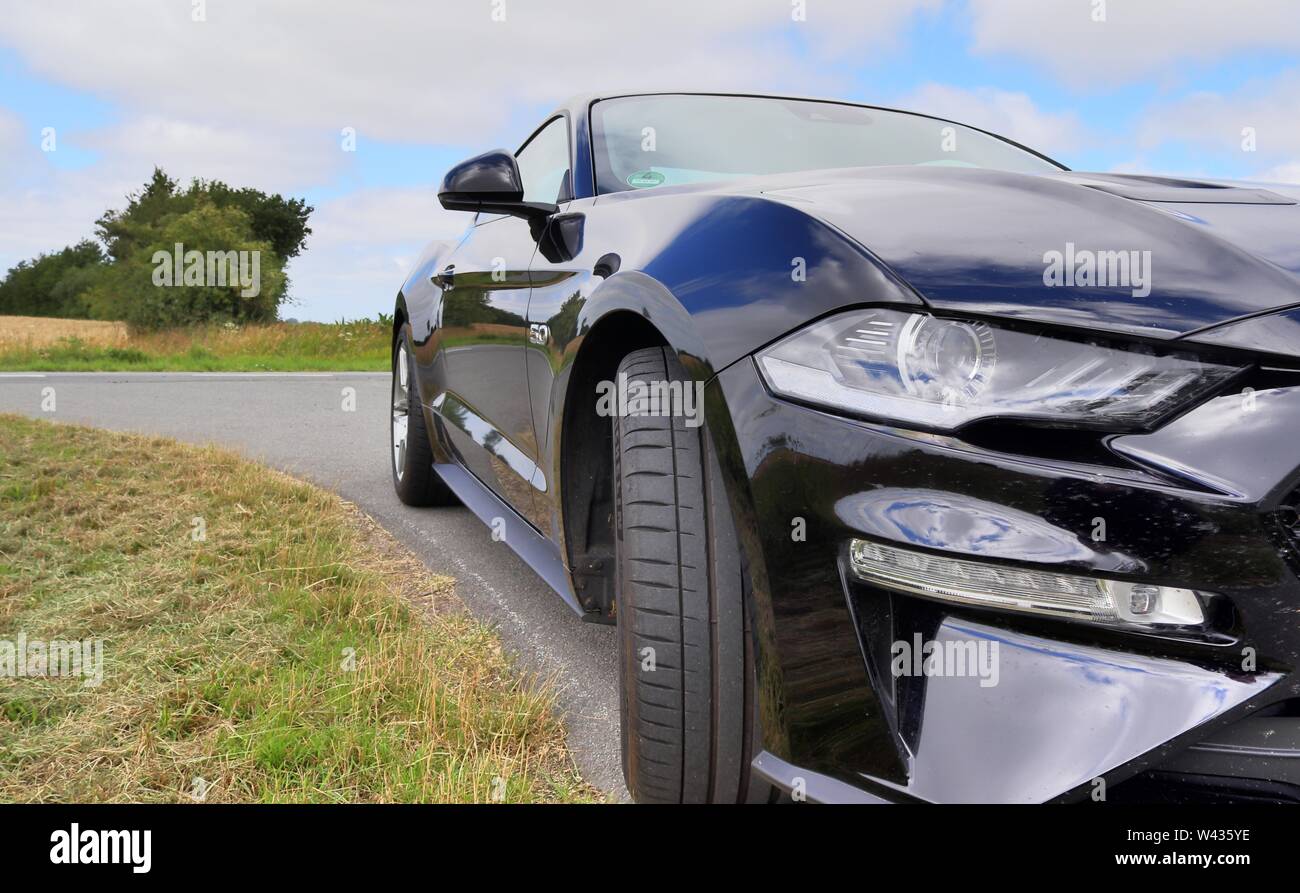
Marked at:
<point>40,331</point>
<point>259,640</point>
<point>35,344</point>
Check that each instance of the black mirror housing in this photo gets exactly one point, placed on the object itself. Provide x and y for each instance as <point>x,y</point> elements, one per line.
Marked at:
<point>489,183</point>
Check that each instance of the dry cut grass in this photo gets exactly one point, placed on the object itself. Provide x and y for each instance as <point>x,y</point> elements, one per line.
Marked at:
<point>294,652</point>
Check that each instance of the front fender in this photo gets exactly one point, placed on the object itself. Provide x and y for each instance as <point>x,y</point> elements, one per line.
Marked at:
<point>747,270</point>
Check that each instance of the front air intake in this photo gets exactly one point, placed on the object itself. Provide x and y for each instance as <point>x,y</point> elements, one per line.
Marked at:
<point>1287,520</point>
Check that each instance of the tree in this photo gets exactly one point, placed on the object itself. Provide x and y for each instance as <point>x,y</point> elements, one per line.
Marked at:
<point>144,289</point>
<point>279,221</point>
<point>116,282</point>
<point>53,284</point>
<point>121,231</point>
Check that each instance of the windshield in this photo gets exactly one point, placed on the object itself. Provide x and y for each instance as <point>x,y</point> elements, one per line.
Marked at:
<point>646,141</point>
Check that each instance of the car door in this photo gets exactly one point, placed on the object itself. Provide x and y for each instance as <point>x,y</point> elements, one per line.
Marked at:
<point>484,331</point>
<point>560,288</point>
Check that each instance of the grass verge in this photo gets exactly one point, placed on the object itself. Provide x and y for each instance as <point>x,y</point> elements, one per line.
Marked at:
<point>58,345</point>
<point>293,653</point>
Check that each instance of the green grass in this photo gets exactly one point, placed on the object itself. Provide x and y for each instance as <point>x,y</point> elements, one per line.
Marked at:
<point>362,345</point>
<point>294,654</point>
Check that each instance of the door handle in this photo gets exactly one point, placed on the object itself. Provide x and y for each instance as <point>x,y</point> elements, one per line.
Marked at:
<point>446,280</point>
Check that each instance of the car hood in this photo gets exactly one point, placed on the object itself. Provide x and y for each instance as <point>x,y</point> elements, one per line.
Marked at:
<point>980,241</point>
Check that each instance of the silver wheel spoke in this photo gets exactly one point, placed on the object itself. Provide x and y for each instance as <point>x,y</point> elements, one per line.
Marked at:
<point>401,410</point>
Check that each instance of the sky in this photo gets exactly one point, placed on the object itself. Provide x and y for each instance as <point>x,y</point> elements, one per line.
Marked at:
<point>360,106</point>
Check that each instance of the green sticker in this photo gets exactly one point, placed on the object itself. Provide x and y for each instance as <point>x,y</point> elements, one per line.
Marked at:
<point>646,179</point>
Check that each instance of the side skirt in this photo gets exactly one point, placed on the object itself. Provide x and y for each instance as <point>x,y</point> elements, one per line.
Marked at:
<point>537,551</point>
<point>812,787</point>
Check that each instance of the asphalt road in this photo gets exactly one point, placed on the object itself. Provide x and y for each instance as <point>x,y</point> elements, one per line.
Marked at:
<point>297,422</point>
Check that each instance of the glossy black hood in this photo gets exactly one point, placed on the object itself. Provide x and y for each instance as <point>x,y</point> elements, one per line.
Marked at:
<point>976,240</point>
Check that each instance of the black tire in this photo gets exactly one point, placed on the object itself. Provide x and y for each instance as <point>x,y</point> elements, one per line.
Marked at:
<point>686,723</point>
<point>414,479</point>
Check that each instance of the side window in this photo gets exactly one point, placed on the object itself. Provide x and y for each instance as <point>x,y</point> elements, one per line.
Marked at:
<point>544,162</point>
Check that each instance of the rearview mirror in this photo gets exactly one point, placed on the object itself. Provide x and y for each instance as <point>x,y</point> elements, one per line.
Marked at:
<point>490,183</point>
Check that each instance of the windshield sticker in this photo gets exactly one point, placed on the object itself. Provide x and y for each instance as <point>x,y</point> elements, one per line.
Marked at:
<point>645,179</point>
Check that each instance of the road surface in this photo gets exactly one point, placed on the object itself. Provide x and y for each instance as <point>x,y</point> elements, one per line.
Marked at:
<point>298,422</point>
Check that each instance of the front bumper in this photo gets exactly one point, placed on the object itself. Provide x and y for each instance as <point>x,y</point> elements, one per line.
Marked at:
<point>1074,710</point>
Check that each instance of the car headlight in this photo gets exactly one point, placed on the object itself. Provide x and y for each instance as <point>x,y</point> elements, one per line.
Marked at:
<point>939,373</point>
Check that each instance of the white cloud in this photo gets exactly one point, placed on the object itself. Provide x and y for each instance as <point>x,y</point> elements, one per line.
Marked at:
<point>443,72</point>
<point>57,210</point>
<point>1137,38</point>
<point>839,28</point>
<point>360,248</point>
<point>1013,115</point>
<point>1220,121</point>
<point>377,216</point>
<point>1283,173</point>
<point>185,149</point>
<point>44,206</point>
<point>11,137</point>
<point>1255,124</point>
<point>1145,167</point>
<point>258,93</point>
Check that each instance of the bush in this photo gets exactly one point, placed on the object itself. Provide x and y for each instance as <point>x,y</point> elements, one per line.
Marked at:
<point>126,355</point>
<point>143,290</point>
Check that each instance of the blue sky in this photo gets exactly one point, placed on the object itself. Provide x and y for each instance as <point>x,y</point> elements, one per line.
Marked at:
<point>260,93</point>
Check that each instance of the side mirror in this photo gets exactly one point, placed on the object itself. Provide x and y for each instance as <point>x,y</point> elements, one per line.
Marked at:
<point>490,183</point>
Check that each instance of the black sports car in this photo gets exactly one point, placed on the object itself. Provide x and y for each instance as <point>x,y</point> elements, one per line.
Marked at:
<point>910,464</point>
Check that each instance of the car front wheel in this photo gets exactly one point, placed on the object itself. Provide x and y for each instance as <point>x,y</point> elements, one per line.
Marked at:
<point>685,664</point>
